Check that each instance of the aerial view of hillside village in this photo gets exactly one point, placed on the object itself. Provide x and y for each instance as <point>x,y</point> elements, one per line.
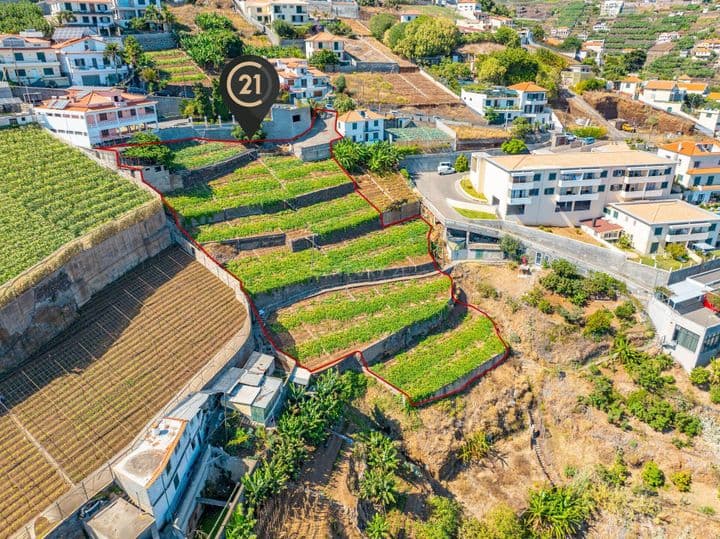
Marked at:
<point>454,274</point>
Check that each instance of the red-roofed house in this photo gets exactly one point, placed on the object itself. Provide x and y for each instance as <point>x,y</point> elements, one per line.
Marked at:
<point>525,99</point>
<point>662,94</point>
<point>90,118</point>
<point>300,80</point>
<point>698,168</point>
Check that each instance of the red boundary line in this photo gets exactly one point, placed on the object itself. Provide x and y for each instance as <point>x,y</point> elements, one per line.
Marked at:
<point>453,296</point>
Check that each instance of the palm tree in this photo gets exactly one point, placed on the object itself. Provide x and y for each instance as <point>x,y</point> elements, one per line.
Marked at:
<point>149,76</point>
<point>167,17</point>
<point>152,16</point>
<point>112,53</point>
<point>63,17</point>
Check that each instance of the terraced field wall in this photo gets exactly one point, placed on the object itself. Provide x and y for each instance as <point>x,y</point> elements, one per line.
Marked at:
<point>44,300</point>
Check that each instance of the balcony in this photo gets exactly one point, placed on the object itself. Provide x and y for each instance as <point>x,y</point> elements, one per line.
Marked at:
<point>576,196</point>
<point>525,185</point>
<point>519,200</point>
<point>566,181</point>
<point>682,238</point>
<point>639,194</point>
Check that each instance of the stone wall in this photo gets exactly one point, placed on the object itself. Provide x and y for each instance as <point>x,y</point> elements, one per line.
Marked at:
<point>36,315</point>
<point>156,41</point>
<point>216,170</point>
<point>348,10</point>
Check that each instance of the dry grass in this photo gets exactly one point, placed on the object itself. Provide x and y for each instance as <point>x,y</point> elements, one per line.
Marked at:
<point>186,14</point>
<point>397,89</point>
<point>468,132</point>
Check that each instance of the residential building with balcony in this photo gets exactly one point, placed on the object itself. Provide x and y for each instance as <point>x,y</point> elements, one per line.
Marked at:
<point>652,225</point>
<point>97,117</point>
<point>686,319</point>
<point>290,11</point>
<point>27,58</point>
<point>698,168</point>
<point>566,189</point>
<point>83,61</point>
<point>126,10</point>
<point>470,9</point>
<point>630,85</point>
<point>361,126</point>
<point>99,14</point>
<point>525,99</point>
<point>256,11</point>
<point>325,41</point>
<point>300,80</point>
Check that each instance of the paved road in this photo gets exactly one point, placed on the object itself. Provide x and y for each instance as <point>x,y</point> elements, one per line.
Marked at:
<point>437,189</point>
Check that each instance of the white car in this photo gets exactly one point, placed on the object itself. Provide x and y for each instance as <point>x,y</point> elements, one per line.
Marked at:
<point>445,167</point>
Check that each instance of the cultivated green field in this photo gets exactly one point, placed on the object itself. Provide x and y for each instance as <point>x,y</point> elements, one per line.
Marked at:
<point>442,358</point>
<point>268,181</point>
<point>193,154</point>
<point>321,219</point>
<point>177,67</point>
<point>50,194</point>
<point>390,247</point>
<point>338,321</point>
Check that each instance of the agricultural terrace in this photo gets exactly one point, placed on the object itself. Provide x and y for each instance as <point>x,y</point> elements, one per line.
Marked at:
<point>51,194</point>
<point>268,181</point>
<point>324,220</point>
<point>386,189</point>
<point>336,323</point>
<point>195,154</point>
<point>397,89</point>
<point>639,31</point>
<point>443,357</point>
<point>134,346</point>
<point>263,271</point>
<point>177,68</point>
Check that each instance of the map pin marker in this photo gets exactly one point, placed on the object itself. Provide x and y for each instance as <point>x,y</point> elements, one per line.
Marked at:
<point>249,86</point>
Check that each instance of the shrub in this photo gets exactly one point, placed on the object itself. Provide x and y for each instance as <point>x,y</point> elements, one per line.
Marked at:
<point>557,511</point>
<point>545,307</point>
<point>688,424</point>
<point>570,471</point>
<point>598,324</point>
<point>444,519</point>
<point>511,247</point>
<point>378,527</point>
<point>589,85</point>
<point>151,154</point>
<point>213,21</point>
<point>323,58</point>
<point>343,103</point>
<point>573,316</point>
<point>486,290</point>
<point>381,23</point>
<point>589,131</point>
<point>533,297</point>
<point>652,475</point>
<point>513,146</point>
<point>461,164</point>
<point>626,311</point>
<point>476,447</point>
<point>339,28</point>
<point>615,475</point>
<point>682,480</point>
<point>340,83</point>
<point>715,394</point>
<point>624,242</point>
<point>707,510</point>
<point>500,522</point>
<point>651,409</point>
<point>676,251</point>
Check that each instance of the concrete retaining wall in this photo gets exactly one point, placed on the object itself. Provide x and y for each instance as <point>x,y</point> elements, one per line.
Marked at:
<point>411,209</point>
<point>216,170</point>
<point>429,162</point>
<point>35,316</point>
<point>349,10</point>
<point>156,41</point>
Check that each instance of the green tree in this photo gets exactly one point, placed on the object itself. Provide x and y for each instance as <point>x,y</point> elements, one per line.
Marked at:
<point>340,84</point>
<point>18,16</point>
<point>323,58</point>
<point>676,250</point>
<point>492,70</point>
<point>426,37</point>
<point>571,44</point>
<point>521,127</point>
<point>343,103</point>
<point>148,151</point>
<point>381,23</point>
<point>520,65</point>
<point>682,480</point>
<point>538,32</point>
<point>113,55</point>
<point>598,324</point>
<point>209,20</point>
<point>589,85</point>
<point>394,35</point>
<point>513,146</point>
<point>210,48</point>
<point>378,527</point>
<point>383,157</point>
<point>652,475</point>
<point>133,53</point>
<point>339,28</point>
<point>507,36</point>
<point>511,247</point>
<point>626,311</point>
<point>450,73</point>
<point>150,77</point>
<point>64,17</point>
<point>557,512</point>
<point>461,163</point>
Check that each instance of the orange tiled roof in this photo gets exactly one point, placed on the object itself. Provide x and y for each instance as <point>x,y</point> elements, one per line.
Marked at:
<point>356,116</point>
<point>84,100</point>
<point>660,85</point>
<point>714,96</point>
<point>693,86</point>
<point>324,36</point>
<point>527,87</point>
<point>632,79</point>
<point>688,147</point>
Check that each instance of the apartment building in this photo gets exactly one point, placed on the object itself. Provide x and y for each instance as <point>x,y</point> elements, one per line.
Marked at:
<point>300,80</point>
<point>525,99</point>
<point>97,117</point>
<point>104,15</point>
<point>686,319</point>
<point>652,225</point>
<point>266,12</point>
<point>83,61</point>
<point>325,41</point>
<point>565,189</point>
<point>361,126</point>
<point>470,9</point>
<point>698,168</point>
<point>27,58</point>
<point>611,8</point>
<point>155,473</point>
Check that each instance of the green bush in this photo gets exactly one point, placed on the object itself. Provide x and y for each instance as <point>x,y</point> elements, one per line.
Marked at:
<point>511,248</point>
<point>381,23</point>
<point>323,58</point>
<point>500,522</point>
<point>651,409</point>
<point>626,311</point>
<point>343,103</point>
<point>682,480</point>
<point>598,324</point>
<point>677,251</point>
<point>209,20</point>
<point>557,512</point>
<point>461,163</point>
<point>589,85</point>
<point>339,28</point>
<point>513,146</point>
<point>545,307</point>
<point>444,519</point>
<point>589,131</point>
<point>715,394</point>
<point>652,475</point>
<point>700,376</point>
<point>616,474</point>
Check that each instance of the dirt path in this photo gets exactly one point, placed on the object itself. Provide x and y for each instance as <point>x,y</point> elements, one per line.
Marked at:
<point>586,108</point>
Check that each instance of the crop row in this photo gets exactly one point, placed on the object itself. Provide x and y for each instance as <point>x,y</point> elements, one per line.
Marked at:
<point>442,358</point>
<point>378,250</point>
<point>339,321</point>
<point>196,155</point>
<point>324,218</point>
<point>50,194</point>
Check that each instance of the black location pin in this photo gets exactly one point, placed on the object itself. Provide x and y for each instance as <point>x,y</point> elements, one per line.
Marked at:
<point>249,86</point>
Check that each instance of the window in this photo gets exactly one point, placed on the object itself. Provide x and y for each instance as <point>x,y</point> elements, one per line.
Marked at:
<point>176,481</point>
<point>582,205</point>
<point>21,73</point>
<point>685,338</point>
<point>663,185</point>
<point>616,187</point>
<point>601,188</point>
<point>19,57</point>
<point>658,230</point>
<point>41,56</point>
<point>549,191</point>
<point>534,192</point>
<point>696,181</point>
<point>667,170</point>
<point>711,228</point>
<point>537,177</point>
<point>103,116</point>
<point>552,176</point>
<point>354,125</point>
<point>711,179</point>
<point>711,342</point>
<point>516,209</point>
<point>618,172</point>
<point>563,206</point>
<point>697,164</point>
<point>603,174</point>
<point>653,247</point>
<point>296,118</point>
<point>47,71</point>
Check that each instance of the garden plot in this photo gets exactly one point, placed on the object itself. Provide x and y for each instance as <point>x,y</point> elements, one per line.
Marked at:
<point>265,182</point>
<point>266,270</point>
<point>385,190</point>
<point>397,89</point>
<point>443,357</point>
<point>324,220</point>
<point>50,194</point>
<point>196,154</point>
<point>177,68</point>
<point>336,323</point>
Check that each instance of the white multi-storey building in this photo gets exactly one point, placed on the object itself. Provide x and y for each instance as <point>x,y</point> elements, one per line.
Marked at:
<point>362,126</point>
<point>84,62</point>
<point>266,12</point>
<point>565,189</point>
<point>470,9</point>
<point>698,168</point>
<point>101,14</point>
<point>300,80</point>
<point>525,99</point>
<point>27,59</point>
<point>325,41</point>
<point>96,117</point>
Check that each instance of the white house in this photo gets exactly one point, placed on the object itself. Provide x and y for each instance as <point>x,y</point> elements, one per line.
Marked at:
<point>83,61</point>
<point>470,9</point>
<point>568,188</point>
<point>611,8</point>
<point>561,32</point>
<point>698,168</point>
<point>408,17</point>
<point>525,99</point>
<point>662,94</point>
<point>653,225</point>
<point>708,116</point>
<point>300,80</point>
<point>27,58</point>
<point>630,85</point>
<point>268,11</point>
<point>592,49</point>
<point>156,471</point>
<point>96,117</point>
<point>686,319</point>
<point>325,41</point>
<point>361,126</point>
<point>667,37</point>
<point>101,14</point>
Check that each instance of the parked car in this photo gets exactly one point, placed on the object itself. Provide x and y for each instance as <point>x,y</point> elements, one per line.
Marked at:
<point>588,140</point>
<point>569,136</point>
<point>92,507</point>
<point>445,167</point>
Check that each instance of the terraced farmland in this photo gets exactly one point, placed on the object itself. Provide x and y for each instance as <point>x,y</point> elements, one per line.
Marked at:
<point>95,387</point>
<point>336,323</point>
<point>177,68</point>
<point>268,181</point>
<point>443,357</point>
<point>50,194</point>
<point>195,154</point>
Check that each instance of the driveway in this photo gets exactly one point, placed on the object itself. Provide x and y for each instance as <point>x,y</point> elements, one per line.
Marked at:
<point>437,188</point>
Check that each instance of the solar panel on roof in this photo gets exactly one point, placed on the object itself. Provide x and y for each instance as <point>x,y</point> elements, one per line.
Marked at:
<point>60,104</point>
<point>65,33</point>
